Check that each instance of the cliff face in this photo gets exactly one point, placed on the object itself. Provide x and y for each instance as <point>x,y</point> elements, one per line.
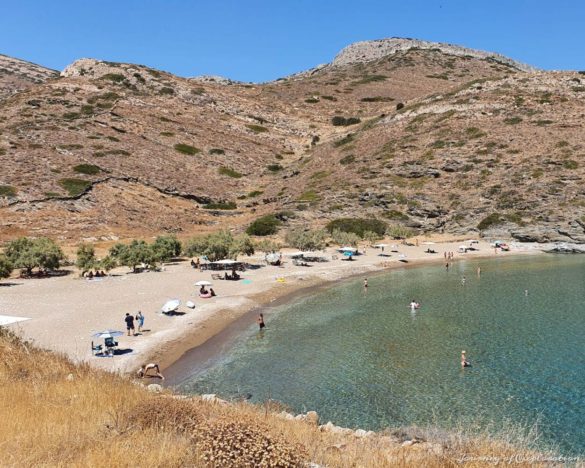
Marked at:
<point>432,136</point>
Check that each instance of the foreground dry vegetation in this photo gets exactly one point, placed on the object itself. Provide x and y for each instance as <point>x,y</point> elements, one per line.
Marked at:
<point>56,413</point>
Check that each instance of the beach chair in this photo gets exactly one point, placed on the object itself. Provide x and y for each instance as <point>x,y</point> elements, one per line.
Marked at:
<point>110,344</point>
<point>96,349</point>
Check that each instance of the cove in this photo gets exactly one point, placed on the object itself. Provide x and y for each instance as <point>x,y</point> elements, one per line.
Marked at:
<point>363,359</point>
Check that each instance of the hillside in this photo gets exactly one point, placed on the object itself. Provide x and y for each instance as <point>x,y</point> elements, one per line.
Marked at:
<point>62,414</point>
<point>433,136</point>
<point>17,75</point>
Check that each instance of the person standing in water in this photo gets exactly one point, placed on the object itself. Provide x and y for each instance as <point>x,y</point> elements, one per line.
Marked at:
<point>260,321</point>
<point>478,271</point>
<point>365,283</point>
<point>463,280</point>
<point>464,361</point>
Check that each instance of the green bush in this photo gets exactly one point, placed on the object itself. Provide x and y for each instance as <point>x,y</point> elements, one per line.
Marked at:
<point>570,164</point>
<point>134,254</point>
<point>344,141</point>
<point>255,193</point>
<point>166,248</point>
<point>166,91</point>
<point>513,120</point>
<point>7,191</point>
<point>88,169</point>
<point>114,77</point>
<point>186,149</point>
<point>216,151</point>
<point>71,115</point>
<point>371,79</point>
<point>226,171</point>
<point>274,167</point>
<point>220,206</point>
<point>257,128</point>
<point>340,121</point>
<point>357,226</point>
<point>399,232</point>
<point>264,226</point>
<point>350,158</point>
<point>74,186</point>
<point>311,101</point>
<point>377,99</point>
<point>308,196</point>
<point>167,134</point>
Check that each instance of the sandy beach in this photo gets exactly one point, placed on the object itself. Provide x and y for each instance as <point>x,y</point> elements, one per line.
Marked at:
<point>63,312</point>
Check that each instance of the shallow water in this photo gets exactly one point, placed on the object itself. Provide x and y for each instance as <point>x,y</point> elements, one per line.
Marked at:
<point>363,359</point>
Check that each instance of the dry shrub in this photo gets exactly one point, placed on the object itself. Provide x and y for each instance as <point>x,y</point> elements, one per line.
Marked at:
<point>229,443</point>
<point>165,413</point>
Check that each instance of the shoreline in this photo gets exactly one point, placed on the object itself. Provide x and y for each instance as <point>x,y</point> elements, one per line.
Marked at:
<point>207,346</point>
<point>62,313</point>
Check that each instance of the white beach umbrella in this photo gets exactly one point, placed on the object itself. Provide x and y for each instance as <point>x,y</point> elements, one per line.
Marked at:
<point>225,262</point>
<point>171,306</point>
<point>347,249</point>
<point>428,243</point>
<point>107,334</point>
<point>203,283</point>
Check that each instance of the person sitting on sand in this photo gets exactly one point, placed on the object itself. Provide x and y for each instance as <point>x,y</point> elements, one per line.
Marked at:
<point>202,290</point>
<point>192,263</point>
<point>90,275</point>
<point>145,368</point>
<point>464,361</point>
<point>212,292</point>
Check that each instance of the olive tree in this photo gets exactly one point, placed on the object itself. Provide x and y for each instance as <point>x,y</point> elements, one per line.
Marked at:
<point>27,253</point>
<point>133,254</point>
<point>5,267</point>
<point>219,245</point>
<point>86,260</point>
<point>345,238</point>
<point>166,248</point>
<point>310,239</point>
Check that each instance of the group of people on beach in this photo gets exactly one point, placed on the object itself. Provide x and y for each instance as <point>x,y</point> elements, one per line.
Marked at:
<point>130,327</point>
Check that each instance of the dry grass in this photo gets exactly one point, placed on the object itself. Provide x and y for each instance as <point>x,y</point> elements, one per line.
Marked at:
<point>55,413</point>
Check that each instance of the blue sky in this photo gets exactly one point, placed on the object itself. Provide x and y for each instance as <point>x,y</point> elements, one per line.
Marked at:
<point>259,40</point>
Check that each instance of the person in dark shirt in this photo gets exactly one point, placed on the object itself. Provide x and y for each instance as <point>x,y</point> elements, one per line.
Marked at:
<point>129,324</point>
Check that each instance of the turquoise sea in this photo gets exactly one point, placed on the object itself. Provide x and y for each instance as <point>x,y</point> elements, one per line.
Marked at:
<point>363,359</point>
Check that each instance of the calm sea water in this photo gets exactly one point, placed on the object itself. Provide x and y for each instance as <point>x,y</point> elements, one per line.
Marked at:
<point>362,359</point>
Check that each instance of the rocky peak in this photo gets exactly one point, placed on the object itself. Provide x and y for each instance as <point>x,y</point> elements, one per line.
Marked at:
<point>17,75</point>
<point>368,51</point>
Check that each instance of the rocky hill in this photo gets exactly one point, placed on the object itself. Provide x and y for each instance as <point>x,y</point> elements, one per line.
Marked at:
<point>17,75</point>
<point>433,136</point>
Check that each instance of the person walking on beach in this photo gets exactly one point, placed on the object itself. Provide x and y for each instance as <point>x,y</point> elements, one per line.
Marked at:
<point>129,323</point>
<point>144,368</point>
<point>260,321</point>
<point>140,320</point>
<point>464,361</point>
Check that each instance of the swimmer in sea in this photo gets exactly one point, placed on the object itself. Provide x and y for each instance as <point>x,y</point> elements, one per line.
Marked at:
<point>464,361</point>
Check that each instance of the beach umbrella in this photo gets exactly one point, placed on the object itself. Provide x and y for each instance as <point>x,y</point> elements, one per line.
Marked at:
<point>347,253</point>
<point>107,334</point>
<point>171,306</point>
<point>379,246</point>
<point>428,243</point>
<point>348,249</point>
<point>273,257</point>
<point>225,262</point>
<point>203,283</point>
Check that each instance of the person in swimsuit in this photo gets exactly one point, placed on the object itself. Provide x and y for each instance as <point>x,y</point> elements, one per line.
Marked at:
<point>464,361</point>
<point>260,321</point>
<point>366,283</point>
<point>129,319</point>
<point>144,368</point>
<point>140,320</point>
